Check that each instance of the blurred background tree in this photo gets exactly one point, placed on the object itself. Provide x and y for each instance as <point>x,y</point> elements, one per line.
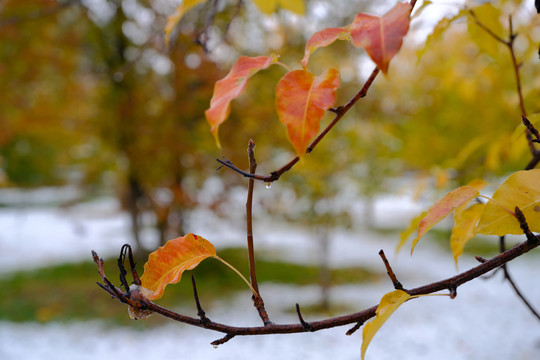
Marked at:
<point>92,97</point>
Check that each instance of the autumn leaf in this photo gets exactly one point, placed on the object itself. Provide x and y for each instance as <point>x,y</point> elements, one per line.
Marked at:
<point>324,38</point>
<point>443,207</point>
<point>175,18</point>
<point>413,225</point>
<point>465,220</point>
<point>302,100</point>
<point>232,86</point>
<point>382,36</point>
<point>269,6</point>
<point>389,303</point>
<point>521,189</point>
<point>166,264</point>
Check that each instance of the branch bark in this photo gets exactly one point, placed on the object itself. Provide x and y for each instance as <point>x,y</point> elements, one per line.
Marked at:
<point>450,284</point>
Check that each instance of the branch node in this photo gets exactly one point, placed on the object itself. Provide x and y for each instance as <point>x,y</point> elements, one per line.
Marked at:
<point>221,341</point>
<point>354,328</point>
<point>390,272</point>
<point>307,326</point>
<point>453,290</point>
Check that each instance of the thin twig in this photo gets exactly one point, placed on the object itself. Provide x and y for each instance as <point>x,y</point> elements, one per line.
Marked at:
<point>524,226</point>
<point>223,340</point>
<point>202,38</point>
<point>509,278</point>
<point>200,310</point>
<point>390,272</point>
<point>354,328</point>
<point>257,299</point>
<point>121,267</point>
<point>304,323</point>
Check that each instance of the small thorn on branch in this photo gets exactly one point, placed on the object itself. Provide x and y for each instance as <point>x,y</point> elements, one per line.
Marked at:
<point>200,310</point>
<point>307,326</point>
<point>223,340</point>
<point>480,259</point>
<point>354,328</point>
<point>390,272</point>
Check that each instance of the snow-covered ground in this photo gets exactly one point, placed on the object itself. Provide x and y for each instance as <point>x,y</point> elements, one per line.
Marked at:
<point>485,321</point>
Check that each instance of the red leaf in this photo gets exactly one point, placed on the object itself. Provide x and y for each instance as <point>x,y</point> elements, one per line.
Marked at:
<point>302,100</point>
<point>166,264</point>
<point>324,38</point>
<point>232,86</point>
<point>382,36</point>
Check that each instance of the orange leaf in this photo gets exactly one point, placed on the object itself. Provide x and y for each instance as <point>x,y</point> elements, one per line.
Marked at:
<point>232,86</point>
<point>324,38</point>
<point>166,264</point>
<point>302,99</point>
<point>443,207</point>
<point>382,36</point>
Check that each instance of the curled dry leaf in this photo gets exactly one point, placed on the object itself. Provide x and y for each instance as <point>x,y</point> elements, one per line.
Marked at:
<point>166,264</point>
<point>324,38</point>
<point>389,303</point>
<point>302,100</point>
<point>232,86</point>
<point>521,189</point>
<point>382,36</point>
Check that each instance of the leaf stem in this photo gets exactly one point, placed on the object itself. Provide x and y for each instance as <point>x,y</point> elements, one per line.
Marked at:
<point>498,203</point>
<point>238,273</point>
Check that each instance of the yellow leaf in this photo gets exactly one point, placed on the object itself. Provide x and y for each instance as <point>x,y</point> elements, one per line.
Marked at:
<point>389,303</point>
<point>266,6</point>
<point>443,207</point>
<point>464,223</point>
<point>269,6</point>
<point>521,189</point>
<point>166,264</point>
<point>296,6</point>
<point>175,18</point>
<point>408,232</point>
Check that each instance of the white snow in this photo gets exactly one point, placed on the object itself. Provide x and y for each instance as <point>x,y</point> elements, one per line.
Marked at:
<point>485,321</point>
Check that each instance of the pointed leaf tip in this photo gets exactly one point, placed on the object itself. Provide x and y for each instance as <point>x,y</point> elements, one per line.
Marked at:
<point>388,305</point>
<point>231,87</point>
<point>382,36</point>
<point>166,264</point>
<point>324,38</point>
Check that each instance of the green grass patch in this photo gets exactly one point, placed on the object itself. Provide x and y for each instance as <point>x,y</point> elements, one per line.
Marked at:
<point>69,292</point>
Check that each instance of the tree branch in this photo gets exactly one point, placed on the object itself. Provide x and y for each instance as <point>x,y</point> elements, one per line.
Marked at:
<point>359,317</point>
